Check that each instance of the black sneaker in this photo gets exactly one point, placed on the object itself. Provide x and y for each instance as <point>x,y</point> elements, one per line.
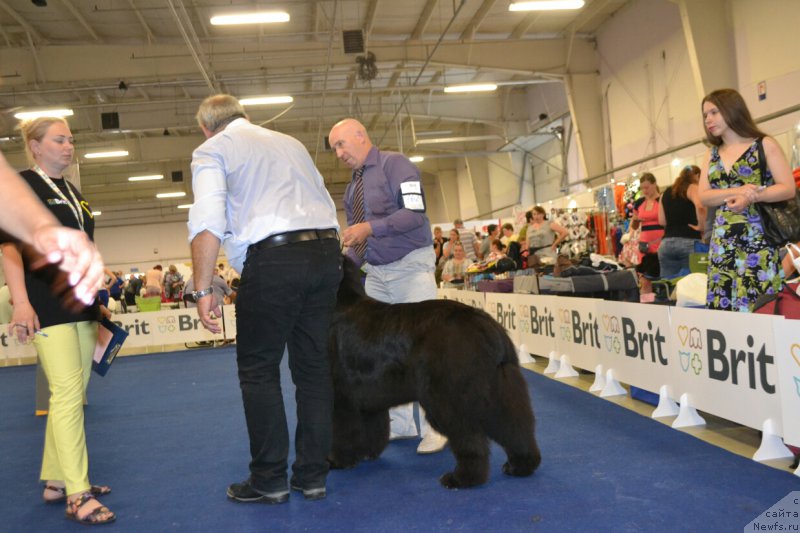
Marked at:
<point>317,493</point>
<point>245,493</point>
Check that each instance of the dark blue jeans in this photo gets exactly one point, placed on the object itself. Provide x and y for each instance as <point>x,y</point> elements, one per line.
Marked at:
<point>673,256</point>
<point>286,299</point>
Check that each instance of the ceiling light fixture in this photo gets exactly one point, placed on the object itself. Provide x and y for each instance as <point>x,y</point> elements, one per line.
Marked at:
<point>170,194</point>
<point>436,133</point>
<point>25,115</point>
<point>185,206</point>
<point>147,178</point>
<point>416,159</point>
<point>471,88</point>
<point>442,140</point>
<point>266,100</point>
<point>113,153</point>
<point>263,17</point>
<point>96,213</point>
<point>546,5</point>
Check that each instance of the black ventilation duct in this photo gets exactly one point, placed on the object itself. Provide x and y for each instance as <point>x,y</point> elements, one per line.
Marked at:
<point>353,41</point>
<point>110,121</point>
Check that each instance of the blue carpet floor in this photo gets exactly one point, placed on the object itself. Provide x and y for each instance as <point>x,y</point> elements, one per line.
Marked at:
<point>167,433</point>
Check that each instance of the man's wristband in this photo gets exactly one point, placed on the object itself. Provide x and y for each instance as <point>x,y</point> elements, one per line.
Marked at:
<point>199,294</point>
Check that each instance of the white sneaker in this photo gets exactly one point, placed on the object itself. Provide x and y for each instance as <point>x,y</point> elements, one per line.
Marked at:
<point>432,443</point>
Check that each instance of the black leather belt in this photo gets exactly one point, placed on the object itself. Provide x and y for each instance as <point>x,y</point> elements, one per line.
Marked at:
<point>292,237</point>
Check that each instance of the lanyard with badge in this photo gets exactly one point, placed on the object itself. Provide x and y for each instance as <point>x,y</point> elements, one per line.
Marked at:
<point>74,205</point>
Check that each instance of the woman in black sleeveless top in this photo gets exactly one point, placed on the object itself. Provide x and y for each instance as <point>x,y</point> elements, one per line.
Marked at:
<point>683,216</point>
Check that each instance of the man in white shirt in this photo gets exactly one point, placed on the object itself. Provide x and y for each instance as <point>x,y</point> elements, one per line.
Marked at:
<point>258,193</point>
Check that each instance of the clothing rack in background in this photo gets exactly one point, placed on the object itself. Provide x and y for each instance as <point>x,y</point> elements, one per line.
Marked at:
<point>589,230</point>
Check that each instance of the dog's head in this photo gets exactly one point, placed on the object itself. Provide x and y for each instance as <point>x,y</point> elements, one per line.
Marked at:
<point>351,289</point>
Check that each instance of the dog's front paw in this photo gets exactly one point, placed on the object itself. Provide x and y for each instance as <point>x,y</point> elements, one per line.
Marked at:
<point>449,481</point>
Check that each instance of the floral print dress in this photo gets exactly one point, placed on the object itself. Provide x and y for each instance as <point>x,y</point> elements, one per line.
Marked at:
<point>742,266</point>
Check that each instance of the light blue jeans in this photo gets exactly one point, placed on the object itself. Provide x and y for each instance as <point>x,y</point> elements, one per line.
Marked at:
<point>673,256</point>
<point>410,279</point>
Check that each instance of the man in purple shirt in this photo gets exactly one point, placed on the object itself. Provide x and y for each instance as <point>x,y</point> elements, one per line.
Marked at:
<point>388,234</point>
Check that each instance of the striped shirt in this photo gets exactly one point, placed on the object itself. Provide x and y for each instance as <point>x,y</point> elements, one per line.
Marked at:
<point>468,240</point>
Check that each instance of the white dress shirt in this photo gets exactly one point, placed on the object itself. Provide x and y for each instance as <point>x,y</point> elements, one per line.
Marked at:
<point>249,183</point>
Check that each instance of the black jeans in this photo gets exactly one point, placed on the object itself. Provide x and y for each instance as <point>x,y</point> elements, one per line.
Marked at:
<point>286,298</point>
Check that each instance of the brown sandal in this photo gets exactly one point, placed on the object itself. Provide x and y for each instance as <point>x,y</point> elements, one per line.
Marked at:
<point>93,518</point>
<point>95,490</point>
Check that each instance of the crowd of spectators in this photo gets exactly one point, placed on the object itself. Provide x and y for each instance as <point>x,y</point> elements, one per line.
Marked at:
<point>170,286</point>
<point>465,249</point>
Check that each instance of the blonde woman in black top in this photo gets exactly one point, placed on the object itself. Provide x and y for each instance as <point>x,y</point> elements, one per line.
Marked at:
<point>64,340</point>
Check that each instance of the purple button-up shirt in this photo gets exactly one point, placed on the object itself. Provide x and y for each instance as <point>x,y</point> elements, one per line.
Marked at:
<point>396,231</point>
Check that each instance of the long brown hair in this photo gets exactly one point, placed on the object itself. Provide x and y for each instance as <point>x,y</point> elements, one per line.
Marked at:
<point>539,209</point>
<point>648,177</point>
<point>733,109</point>
<point>688,176</point>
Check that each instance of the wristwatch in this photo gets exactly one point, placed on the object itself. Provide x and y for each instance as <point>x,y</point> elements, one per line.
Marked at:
<point>199,294</point>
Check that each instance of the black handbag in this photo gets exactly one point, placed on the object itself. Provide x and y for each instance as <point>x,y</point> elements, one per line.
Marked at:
<point>781,220</point>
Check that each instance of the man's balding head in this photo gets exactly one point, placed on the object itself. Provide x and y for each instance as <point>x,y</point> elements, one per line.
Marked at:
<point>349,140</point>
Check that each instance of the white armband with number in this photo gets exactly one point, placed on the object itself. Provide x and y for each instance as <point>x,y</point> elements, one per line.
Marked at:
<point>411,194</point>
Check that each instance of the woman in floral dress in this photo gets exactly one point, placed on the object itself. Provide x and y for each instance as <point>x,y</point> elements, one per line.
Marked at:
<point>742,266</point>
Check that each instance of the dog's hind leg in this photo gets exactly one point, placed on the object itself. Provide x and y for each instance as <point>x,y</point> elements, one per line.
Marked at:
<point>472,461</point>
<point>376,433</point>
<point>511,425</point>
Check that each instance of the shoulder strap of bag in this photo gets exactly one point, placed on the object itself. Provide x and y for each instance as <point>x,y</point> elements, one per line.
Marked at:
<point>762,160</point>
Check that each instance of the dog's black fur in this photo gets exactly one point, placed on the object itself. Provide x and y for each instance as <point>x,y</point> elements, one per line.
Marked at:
<point>455,360</point>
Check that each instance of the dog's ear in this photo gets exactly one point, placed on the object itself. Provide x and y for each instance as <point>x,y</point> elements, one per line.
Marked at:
<point>351,289</point>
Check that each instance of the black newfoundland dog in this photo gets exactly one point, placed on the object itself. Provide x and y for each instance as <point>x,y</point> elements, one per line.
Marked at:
<point>455,360</point>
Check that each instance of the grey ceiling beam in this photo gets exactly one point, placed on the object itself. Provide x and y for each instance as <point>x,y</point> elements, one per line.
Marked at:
<point>395,76</point>
<point>38,64</point>
<point>5,35</point>
<point>151,38</point>
<point>582,19</point>
<point>200,20</point>
<point>369,20</point>
<point>315,23</point>
<point>24,23</point>
<point>80,18</point>
<point>193,44</point>
<point>424,19</point>
<point>477,20</point>
<point>524,25</point>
